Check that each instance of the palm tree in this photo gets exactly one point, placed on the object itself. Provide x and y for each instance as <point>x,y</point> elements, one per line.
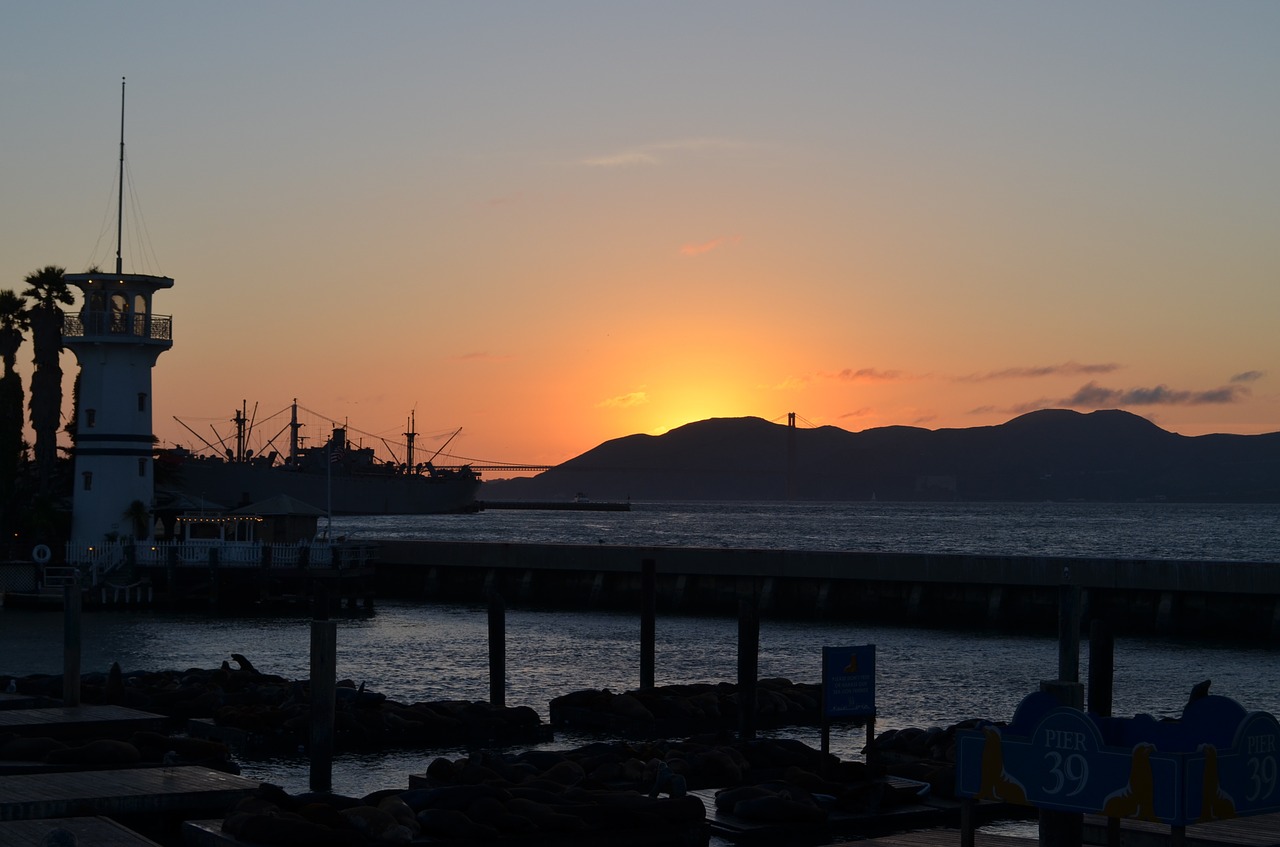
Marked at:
<point>140,519</point>
<point>13,324</point>
<point>47,289</point>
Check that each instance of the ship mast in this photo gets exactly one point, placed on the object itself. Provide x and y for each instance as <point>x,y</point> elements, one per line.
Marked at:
<point>120,193</point>
<point>408,437</point>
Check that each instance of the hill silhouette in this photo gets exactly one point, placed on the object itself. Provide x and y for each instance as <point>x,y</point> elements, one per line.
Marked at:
<point>1053,454</point>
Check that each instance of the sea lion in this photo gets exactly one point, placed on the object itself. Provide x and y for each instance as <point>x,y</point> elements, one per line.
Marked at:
<point>29,749</point>
<point>377,824</point>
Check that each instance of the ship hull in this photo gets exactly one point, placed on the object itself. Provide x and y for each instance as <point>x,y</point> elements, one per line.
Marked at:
<point>234,484</point>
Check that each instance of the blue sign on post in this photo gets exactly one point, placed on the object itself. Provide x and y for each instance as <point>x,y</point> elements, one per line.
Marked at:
<point>849,681</point>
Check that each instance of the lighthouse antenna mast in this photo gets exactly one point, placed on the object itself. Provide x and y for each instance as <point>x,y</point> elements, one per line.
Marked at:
<point>120,198</point>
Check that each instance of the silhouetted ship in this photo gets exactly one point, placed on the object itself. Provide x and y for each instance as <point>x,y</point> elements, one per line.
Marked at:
<point>335,477</point>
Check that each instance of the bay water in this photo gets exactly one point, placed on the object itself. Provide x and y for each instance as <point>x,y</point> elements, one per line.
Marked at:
<point>427,651</point>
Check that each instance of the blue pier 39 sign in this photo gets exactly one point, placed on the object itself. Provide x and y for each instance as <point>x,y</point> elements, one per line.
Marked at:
<point>1218,761</point>
<point>849,681</point>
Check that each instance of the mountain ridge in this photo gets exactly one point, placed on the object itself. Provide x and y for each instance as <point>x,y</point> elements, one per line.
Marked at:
<point>1050,454</point>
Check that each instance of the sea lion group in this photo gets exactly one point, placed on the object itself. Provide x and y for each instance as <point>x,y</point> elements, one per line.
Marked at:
<point>273,713</point>
<point>140,748</point>
<point>591,791</point>
<point>667,711</point>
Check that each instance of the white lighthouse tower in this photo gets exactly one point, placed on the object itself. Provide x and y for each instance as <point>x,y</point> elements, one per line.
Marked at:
<point>116,338</point>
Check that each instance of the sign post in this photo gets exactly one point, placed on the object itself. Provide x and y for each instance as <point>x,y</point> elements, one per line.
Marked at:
<point>848,688</point>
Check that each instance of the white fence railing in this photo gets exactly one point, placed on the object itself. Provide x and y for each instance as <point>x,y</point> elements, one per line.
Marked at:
<point>98,561</point>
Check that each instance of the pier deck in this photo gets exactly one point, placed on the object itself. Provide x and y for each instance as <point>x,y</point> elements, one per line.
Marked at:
<point>1222,599</point>
<point>69,722</point>
<point>1255,831</point>
<point>187,791</point>
<point>939,838</point>
<point>22,701</point>
<point>1252,831</point>
<point>97,831</point>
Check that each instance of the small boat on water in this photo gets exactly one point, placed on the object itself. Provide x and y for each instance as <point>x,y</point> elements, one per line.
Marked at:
<point>336,477</point>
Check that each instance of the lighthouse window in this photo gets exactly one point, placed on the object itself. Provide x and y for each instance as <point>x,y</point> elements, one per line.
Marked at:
<point>142,401</point>
<point>142,467</point>
<point>90,417</point>
<point>88,480</point>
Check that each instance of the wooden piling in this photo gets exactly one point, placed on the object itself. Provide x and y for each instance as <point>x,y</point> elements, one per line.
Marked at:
<point>324,683</point>
<point>1057,828</point>
<point>648,622</point>
<point>71,601</point>
<point>1068,630</point>
<point>748,659</point>
<point>497,650</point>
<point>1102,667</point>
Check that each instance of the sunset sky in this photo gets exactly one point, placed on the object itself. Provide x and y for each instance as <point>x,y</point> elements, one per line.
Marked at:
<point>556,223</point>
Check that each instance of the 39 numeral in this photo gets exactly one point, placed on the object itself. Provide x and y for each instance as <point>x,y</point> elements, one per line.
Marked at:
<point>1071,771</point>
<point>1262,777</point>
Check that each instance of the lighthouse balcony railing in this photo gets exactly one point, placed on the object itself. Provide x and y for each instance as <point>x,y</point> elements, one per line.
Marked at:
<point>117,325</point>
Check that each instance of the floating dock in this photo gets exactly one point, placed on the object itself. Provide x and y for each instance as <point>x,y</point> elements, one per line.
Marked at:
<point>72,722</point>
<point>95,831</point>
<point>185,791</point>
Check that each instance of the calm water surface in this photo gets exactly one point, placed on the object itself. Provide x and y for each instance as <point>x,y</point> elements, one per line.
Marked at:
<point>1249,532</point>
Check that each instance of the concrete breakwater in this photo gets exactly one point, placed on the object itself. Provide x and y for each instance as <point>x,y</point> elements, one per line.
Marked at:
<point>1185,598</point>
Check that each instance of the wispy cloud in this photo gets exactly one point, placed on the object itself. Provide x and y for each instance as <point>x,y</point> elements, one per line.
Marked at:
<point>1036,372</point>
<point>1096,395</point>
<point>624,159</point>
<point>648,155</point>
<point>1248,376</point>
<point>708,246</point>
<point>791,383</point>
<point>505,202</point>
<point>624,401</point>
<point>480,356</point>
<point>870,375</point>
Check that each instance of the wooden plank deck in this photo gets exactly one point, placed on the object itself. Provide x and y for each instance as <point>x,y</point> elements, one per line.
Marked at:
<point>939,838</point>
<point>734,828</point>
<point>187,790</point>
<point>1252,831</point>
<point>79,722</point>
<point>21,701</point>
<point>99,832</point>
<point>208,833</point>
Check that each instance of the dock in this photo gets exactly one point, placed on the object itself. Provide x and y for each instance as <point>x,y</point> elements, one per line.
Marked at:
<point>1256,831</point>
<point>1179,598</point>
<point>96,831</point>
<point>72,722</point>
<point>22,701</point>
<point>938,838</point>
<point>185,791</point>
<point>1253,831</point>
